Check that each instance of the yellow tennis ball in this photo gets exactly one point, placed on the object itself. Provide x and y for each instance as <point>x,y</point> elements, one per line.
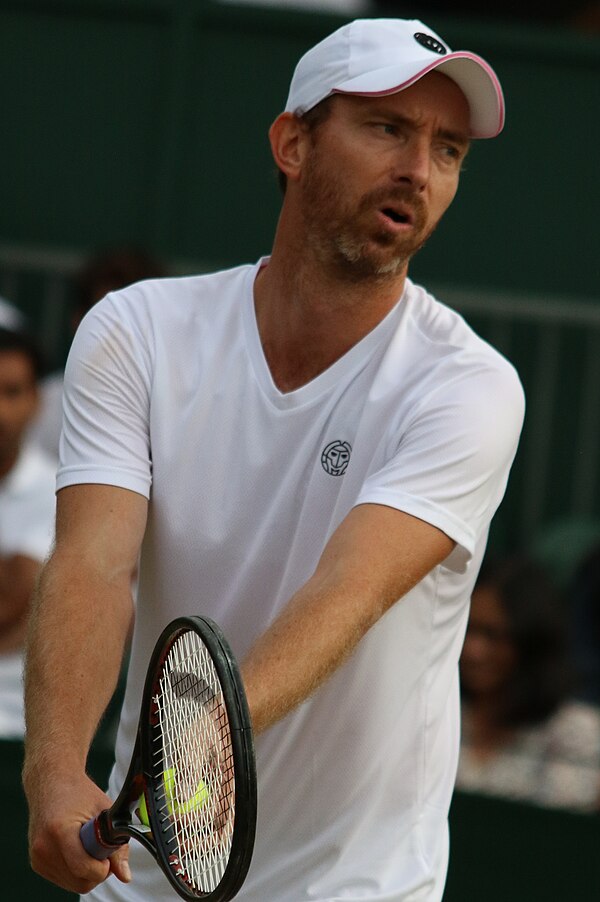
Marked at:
<point>198,800</point>
<point>143,811</point>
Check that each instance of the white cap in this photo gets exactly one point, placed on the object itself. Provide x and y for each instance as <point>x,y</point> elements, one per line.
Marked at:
<point>372,57</point>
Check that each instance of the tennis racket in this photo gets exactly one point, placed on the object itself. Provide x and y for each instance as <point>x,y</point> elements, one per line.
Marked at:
<point>190,793</point>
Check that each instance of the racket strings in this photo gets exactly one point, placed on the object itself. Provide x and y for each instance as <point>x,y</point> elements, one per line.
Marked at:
<point>195,800</point>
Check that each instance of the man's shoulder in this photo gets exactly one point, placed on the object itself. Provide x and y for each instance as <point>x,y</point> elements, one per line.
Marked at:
<point>175,307</point>
<point>449,360</point>
<point>437,321</point>
<point>449,334</point>
<point>184,289</point>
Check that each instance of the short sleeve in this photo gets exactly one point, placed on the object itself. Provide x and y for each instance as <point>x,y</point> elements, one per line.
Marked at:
<point>106,402</point>
<point>451,465</point>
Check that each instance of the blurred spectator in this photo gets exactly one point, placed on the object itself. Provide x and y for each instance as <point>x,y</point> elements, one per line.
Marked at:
<point>10,316</point>
<point>26,516</point>
<point>108,270</point>
<point>523,737</point>
<point>584,600</point>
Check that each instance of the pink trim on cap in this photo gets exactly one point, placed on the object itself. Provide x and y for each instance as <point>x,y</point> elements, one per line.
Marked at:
<point>459,54</point>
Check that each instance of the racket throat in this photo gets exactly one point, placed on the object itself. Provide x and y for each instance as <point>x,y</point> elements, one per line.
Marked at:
<point>112,833</point>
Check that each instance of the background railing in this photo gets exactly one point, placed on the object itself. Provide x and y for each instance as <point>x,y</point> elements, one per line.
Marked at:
<point>553,341</point>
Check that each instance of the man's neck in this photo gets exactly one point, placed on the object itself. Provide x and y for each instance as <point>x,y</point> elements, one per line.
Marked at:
<point>309,316</point>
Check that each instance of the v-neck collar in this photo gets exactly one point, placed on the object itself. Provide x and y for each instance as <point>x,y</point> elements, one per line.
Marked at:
<point>349,363</point>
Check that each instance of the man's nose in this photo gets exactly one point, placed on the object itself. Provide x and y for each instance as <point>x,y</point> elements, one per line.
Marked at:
<point>413,164</point>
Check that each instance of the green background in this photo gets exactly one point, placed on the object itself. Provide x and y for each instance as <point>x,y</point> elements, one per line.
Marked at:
<point>145,121</point>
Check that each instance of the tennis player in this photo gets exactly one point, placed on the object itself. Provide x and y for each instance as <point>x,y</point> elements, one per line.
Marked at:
<point>309,450</point>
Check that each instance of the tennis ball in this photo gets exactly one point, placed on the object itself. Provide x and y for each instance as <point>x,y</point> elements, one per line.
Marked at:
<point>175,808</point>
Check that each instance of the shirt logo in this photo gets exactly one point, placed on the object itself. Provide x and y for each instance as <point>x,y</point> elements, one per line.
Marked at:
<point>430,43</point>
<point>336,457</point>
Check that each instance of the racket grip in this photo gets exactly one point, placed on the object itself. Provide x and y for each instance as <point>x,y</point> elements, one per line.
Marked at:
<point>93,843</point>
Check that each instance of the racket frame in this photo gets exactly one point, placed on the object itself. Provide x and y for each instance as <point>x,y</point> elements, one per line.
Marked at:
<point>114,826</point>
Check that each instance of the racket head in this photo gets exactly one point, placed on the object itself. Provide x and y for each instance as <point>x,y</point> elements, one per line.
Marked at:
<point>197,757</point>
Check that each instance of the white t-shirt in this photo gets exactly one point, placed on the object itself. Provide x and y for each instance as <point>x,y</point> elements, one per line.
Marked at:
<point>27,507</point>
<point>168,393</point>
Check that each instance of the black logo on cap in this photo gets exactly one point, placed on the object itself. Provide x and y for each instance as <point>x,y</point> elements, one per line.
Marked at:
<point>335,458</point>
<point>430,43</point>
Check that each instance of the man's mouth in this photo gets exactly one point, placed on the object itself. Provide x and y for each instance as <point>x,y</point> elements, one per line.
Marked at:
<point>398,216</point>
<point>395,215</point>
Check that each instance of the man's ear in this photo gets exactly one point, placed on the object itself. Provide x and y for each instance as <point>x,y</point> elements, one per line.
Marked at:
<point>288,139</point>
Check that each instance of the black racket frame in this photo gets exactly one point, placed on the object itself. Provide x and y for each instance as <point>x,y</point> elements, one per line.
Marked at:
<point>145,776</point>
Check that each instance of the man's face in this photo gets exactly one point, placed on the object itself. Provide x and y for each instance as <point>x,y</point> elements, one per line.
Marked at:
<point>381,172</point>
<point>18,400</point>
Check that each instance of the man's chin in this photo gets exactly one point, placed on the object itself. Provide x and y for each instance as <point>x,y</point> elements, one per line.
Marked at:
<point>375,260</point>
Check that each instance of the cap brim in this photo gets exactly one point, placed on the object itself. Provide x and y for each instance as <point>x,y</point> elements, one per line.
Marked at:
<point>476,78</point>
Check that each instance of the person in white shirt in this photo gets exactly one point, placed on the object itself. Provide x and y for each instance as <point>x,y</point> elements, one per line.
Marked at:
<point>10,316</point>
<point>27,506</point>
<point>309,450</point>
<point>525,735</point>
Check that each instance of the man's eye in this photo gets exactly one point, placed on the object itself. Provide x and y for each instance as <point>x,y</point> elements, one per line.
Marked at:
<point>387,128</point>
<point>450,151</point>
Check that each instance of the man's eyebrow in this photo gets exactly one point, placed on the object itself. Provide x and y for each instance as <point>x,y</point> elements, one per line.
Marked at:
<point>392,118</point>
<point>454,137</point>
<point>447,134</point>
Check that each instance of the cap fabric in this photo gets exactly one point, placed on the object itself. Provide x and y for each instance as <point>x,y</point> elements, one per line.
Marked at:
<point>373,57</point>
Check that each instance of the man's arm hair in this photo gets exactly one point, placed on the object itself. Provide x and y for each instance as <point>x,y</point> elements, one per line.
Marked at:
<point>80,618</point>
<point>374,558</point>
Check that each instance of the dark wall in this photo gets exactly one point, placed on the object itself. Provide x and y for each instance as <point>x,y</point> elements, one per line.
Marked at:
<point>147,120</point>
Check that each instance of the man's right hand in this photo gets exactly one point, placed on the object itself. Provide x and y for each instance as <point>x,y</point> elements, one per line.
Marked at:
<point>57,813</point>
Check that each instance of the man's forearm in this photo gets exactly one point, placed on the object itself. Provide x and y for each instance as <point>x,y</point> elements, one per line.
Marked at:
<point>372,560</point>
<point>77,633</point>
<point>308,641</point>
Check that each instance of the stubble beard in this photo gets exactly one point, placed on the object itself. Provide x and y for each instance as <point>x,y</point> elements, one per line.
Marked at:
<point>335,234</point>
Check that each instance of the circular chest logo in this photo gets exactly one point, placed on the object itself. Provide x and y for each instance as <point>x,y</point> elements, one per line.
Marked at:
<point>431,43</point>
<point>335,457</point>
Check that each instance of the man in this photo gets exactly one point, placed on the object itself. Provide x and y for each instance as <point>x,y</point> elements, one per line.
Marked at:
<point>27,505</point>
<point>328,444</point>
